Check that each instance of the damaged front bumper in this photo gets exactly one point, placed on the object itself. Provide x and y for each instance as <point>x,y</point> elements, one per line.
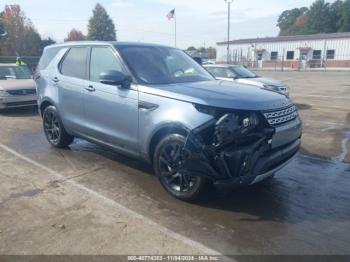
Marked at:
<point>240,148</point>
<point>267,165</point>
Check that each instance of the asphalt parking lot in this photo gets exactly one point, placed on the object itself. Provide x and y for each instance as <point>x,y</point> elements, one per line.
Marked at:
<point>90,200</point>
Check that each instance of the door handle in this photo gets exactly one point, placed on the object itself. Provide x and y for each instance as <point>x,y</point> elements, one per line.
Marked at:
<point>90,88</point>
<point>55,79</point>
<point>146,106</point>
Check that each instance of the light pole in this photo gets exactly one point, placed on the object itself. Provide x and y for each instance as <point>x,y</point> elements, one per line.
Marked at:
<point>228,2</point>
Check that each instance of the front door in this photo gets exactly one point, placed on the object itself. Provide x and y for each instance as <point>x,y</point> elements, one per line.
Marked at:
<point>303,59</point>
<point>111,112</point>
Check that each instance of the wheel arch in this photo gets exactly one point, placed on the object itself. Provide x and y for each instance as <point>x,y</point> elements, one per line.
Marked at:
<point>44,104</point>
<point>160,133</point>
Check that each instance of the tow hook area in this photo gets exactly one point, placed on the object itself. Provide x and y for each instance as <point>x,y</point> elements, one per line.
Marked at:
<point>226,148</point>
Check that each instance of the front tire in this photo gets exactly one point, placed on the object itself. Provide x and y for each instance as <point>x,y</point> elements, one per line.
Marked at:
<point>167,161</point>
<point>54,129</point>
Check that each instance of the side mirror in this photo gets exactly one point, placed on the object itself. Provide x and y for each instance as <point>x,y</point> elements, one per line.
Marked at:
<point>116,78</point>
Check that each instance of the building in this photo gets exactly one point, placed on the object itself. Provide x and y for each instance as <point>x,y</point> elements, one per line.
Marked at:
<point>295,52</point>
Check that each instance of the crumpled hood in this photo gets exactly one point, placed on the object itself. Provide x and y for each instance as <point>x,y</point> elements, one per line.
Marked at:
<point>222,94</point>
<point>17,84</point>
<point>263,80</point>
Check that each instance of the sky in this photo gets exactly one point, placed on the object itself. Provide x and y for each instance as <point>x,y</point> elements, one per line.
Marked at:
<point>199,22</point>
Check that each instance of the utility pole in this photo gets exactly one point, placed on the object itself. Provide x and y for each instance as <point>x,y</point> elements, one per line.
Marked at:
<point>228,2</point>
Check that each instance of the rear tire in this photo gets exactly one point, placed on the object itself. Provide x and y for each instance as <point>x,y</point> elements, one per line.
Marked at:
<point>54,130</point>
<point>167,166</point>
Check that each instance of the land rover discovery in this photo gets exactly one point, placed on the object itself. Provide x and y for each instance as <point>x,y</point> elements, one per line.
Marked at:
<point>157,104</point>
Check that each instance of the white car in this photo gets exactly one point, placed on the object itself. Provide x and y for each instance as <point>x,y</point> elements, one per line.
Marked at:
<point>242,75</point>
<point>17,88</point>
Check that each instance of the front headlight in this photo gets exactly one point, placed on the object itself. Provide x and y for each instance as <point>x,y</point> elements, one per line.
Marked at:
<point>4,93</point>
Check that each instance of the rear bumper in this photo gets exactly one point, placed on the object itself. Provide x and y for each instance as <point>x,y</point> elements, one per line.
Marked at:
<point>268,164</point>
<point>18,101</point>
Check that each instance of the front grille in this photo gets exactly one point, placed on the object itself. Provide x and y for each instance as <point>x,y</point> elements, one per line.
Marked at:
<point>22,92</point>
<point>281,116</point>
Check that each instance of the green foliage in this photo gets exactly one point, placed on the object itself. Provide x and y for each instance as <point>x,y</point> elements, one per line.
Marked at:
<point>101,26</point>
<point>344,23</point>
<point>287,20</point>
<point>321,17</point>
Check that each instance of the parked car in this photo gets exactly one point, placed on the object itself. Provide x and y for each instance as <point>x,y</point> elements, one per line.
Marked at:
<point>17,88</point>
<point>157,104</point>
<point>240,74</point>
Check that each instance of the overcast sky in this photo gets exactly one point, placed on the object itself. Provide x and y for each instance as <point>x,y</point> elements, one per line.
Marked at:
<point>198,21</point>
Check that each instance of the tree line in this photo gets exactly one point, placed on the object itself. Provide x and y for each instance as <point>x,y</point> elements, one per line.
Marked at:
<point>320,17</point>
<point>18,36</point>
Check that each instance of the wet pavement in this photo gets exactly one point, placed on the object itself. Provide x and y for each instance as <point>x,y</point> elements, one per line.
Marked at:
<point>304,209</point>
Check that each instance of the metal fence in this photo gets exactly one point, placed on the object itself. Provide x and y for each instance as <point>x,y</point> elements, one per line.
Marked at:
<point>281,63</point>
<point>31,61</point>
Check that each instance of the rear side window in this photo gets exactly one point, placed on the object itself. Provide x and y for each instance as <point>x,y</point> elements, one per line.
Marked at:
<point>103,59</point>
<point>47,57</point>
<point>74,63</point>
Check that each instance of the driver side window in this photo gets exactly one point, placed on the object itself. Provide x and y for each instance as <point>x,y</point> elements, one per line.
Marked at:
<point>103,59</point>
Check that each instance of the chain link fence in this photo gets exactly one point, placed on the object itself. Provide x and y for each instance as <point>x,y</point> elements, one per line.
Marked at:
<point>310,62</point>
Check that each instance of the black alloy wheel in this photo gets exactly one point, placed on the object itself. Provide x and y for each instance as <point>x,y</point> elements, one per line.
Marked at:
<point>168,164</point>
<point>54,130</point>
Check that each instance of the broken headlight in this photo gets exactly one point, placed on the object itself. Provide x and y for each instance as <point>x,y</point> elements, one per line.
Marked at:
<point>234,127</point>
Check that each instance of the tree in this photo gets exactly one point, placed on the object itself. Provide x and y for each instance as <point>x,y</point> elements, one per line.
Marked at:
<point>299,26</point>
<point>336,9</point>
<point>46,42</point>
<point>101,26</point>
<point>22,38</point>
<point>288,19</point>
<point>344,21</point>
<point>191,48</point>
<point>75,35</point>
<point>2,29</point>
<point>319,18</point>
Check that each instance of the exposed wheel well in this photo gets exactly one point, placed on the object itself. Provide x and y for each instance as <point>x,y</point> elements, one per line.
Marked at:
<point>160,134</point>
<point>43,106</point>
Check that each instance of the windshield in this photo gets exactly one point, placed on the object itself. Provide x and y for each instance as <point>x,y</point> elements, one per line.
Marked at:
<point>15,72</point>
<point>242,72</point>
<point>162,65</point>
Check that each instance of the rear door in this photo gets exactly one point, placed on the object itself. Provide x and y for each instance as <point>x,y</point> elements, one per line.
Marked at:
<point>71,82</point>
<point>111,112</point>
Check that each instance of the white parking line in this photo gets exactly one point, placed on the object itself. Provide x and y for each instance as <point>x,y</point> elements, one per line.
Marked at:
<point>194,244</point>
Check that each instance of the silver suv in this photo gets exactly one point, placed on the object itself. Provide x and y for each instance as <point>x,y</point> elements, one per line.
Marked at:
<point>157,104</point>
<point>242,75</point>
